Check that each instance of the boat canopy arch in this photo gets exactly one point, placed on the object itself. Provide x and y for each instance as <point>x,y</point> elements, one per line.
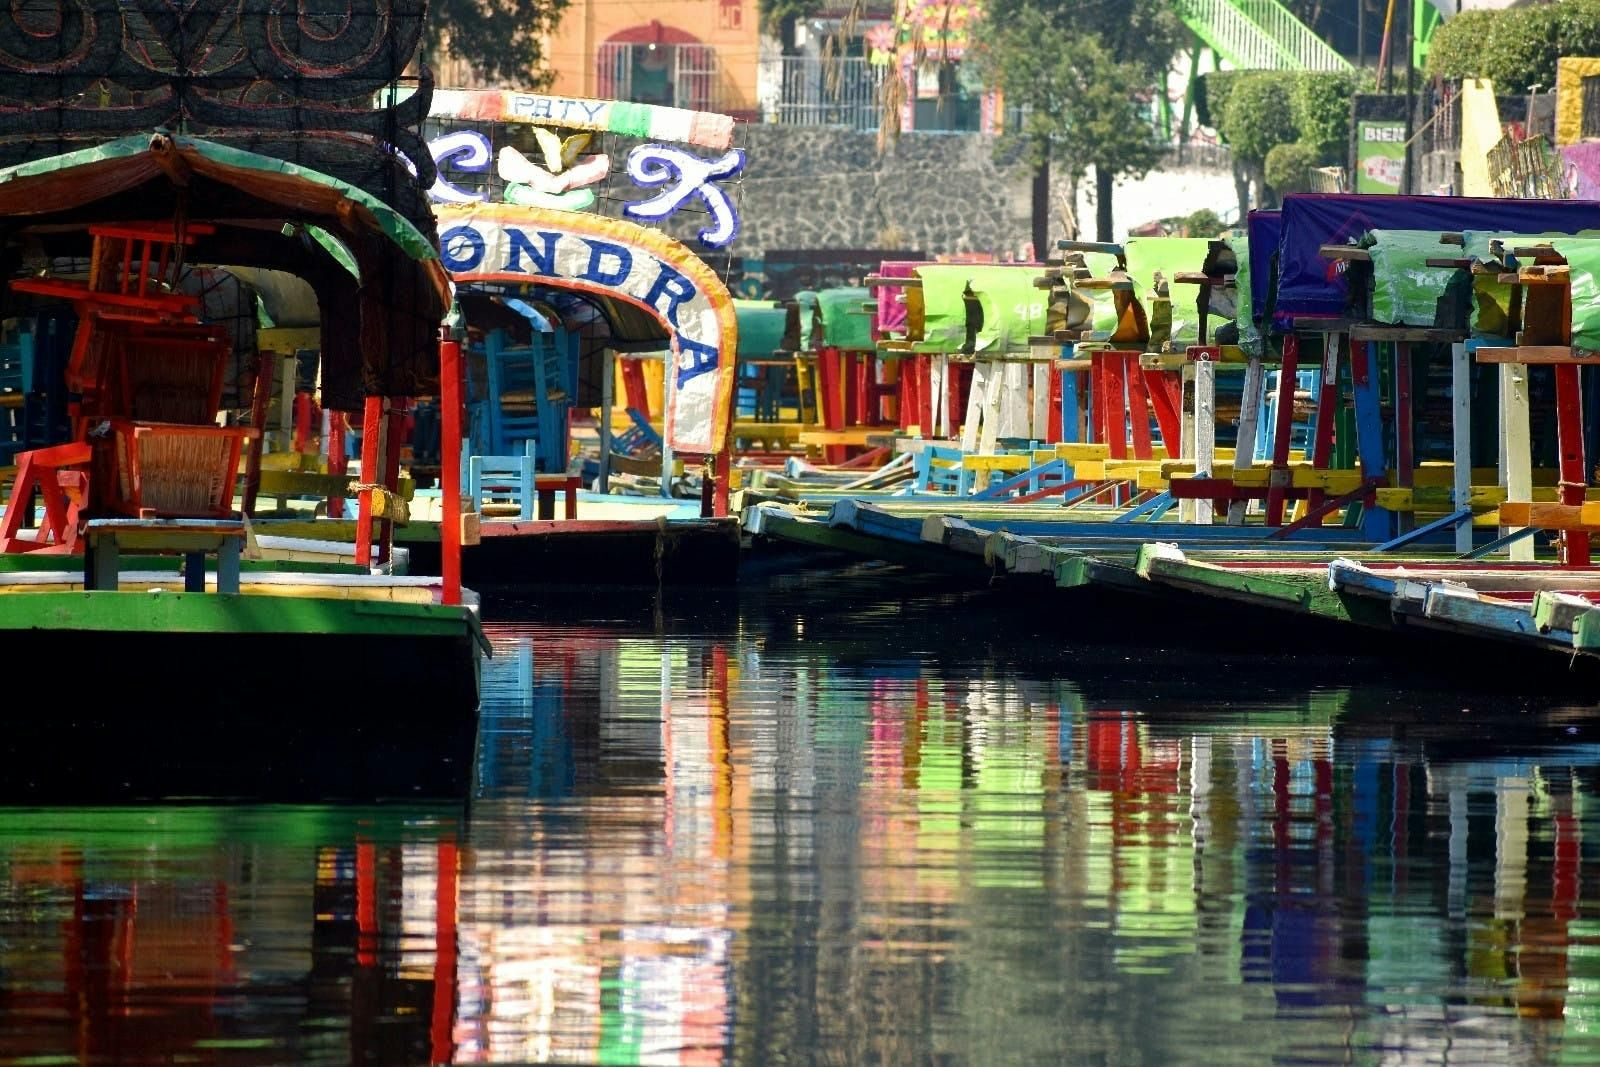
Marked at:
<point>625,269</point>
<point>261,212</point>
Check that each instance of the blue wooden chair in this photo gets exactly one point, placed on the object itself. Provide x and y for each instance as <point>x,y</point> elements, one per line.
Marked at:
<point>528,391</point>
<point>504,482</point>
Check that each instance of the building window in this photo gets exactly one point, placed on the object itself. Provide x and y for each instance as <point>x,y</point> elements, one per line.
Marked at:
<point>673,73</point>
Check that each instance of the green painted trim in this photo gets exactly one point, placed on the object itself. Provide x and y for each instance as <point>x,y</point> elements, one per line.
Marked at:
<point>28,562</point>
<point>204,826</point>
<point>242,614</point>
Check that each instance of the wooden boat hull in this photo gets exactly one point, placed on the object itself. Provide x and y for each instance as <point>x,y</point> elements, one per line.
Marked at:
<point>284,698</point>
<point>514,557</point>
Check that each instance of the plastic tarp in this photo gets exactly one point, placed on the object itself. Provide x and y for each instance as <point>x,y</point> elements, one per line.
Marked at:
<point>891,320</point>
<point>1013,308</point>
<point>1244,304</point>
<point>1405,290</point>
<point>944,307</point>
<point>1309,284</point>
<point>1492,298</point>
<point>1148,257</point>
<point>762,325</point>
<point>846,323</point>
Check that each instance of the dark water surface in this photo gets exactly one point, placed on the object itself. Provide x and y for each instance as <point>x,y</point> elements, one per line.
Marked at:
<point>812,830</point>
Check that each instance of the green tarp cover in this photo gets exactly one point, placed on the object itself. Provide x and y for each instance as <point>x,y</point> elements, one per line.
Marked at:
<point>1013,308</point>
<point>1103,318</point>
<point>761,327</point>
<point>1168,256</point>
<point>846,323</point>
<point>1405,290</point>
<point>806,301</point>
<point>1492,298</point>
<point>944,305</point>
<point>1244,312</point>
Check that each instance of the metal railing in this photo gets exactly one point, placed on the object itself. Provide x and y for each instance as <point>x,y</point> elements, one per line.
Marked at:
<point>1258,35</point>
<point>817,92</point>
<point>676,75</point>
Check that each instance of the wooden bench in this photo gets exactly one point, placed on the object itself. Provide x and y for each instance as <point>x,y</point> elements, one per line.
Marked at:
<point>106,539</point>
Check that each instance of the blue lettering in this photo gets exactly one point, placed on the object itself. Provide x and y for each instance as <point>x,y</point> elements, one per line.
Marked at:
<point>541,108</point>
<point>461,249</point>
<point>592,110</point>
<point>694,359</point>
<point>675,287</point>
<point>596,272</point>
<point>544,259</point>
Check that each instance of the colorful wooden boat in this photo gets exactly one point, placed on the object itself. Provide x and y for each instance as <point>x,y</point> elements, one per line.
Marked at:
<point>149,469</point>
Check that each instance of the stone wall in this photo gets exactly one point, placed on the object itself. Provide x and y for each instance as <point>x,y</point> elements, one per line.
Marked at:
<point>809,189</point>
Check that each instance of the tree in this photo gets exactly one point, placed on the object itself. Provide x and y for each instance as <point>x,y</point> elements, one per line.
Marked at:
<point>1516,48</point>
<point>1078,72</point>
<point>502,40</point>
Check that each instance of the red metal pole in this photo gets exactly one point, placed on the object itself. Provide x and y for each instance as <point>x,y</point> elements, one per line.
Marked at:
<point>450,423</point>
<point>371,431</point>
<point>1327,414</point>
<point>1115,408</point>
<point>1138,405</point>
<point>1569,442</point>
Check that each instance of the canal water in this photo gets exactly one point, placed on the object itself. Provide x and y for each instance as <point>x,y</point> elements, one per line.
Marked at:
<point>829,826</point>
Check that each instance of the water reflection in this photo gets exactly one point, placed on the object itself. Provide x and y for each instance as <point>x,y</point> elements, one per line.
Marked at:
<point>774,838</point>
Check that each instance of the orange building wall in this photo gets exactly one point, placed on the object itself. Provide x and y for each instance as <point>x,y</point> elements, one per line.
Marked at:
<point>729,26</point>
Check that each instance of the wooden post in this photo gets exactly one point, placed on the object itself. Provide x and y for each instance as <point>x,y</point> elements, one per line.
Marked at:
<point>266,368</point>
<point>1115,410</point>
<point>1138,406</point>
<point>1042,394</point>
<point>1516,449</point>
<point>722,469</point>
<point>1205,429</point>
<point>608,360</point>
<point>1461,439</point>
<point>1327,407</point>
<point>1186,445</point>
<point>337,462</point>
<point>371,439</point>
<point>1569,445</point>
<point>450,423</point>
<point>1245,445</point>
<point>1405,457</point>
<point>1369,431</point>
<point>393,439</point>
<point>1284,431</point>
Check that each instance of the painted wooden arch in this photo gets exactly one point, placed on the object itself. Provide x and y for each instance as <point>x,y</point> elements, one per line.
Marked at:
<point>619,260</point>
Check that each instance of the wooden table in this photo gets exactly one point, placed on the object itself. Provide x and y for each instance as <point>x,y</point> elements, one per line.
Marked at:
<point>105,540</point>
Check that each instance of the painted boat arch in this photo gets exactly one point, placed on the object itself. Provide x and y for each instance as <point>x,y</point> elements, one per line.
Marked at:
<point>624,261</point>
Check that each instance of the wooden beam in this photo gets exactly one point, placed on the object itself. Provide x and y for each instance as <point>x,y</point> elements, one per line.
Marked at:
<point>1540,354</point>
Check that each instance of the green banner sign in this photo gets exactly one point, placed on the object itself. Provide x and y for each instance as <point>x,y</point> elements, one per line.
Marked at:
<point>1380,156</point>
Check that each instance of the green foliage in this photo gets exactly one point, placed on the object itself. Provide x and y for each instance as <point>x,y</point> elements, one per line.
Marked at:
<point>1257,116</point>
<point>1321,103</point>
<point>1203,223</point>
<point>773,12</point>
<point>1516,48</point>
<point>502,39</point>
<point>1078,79</point>
<point>1288,167</point>
<point>1211,100</point>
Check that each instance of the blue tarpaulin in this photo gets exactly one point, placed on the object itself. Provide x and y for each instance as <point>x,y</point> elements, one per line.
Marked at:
<point>1309,284</point>
<point>1264,229</point>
